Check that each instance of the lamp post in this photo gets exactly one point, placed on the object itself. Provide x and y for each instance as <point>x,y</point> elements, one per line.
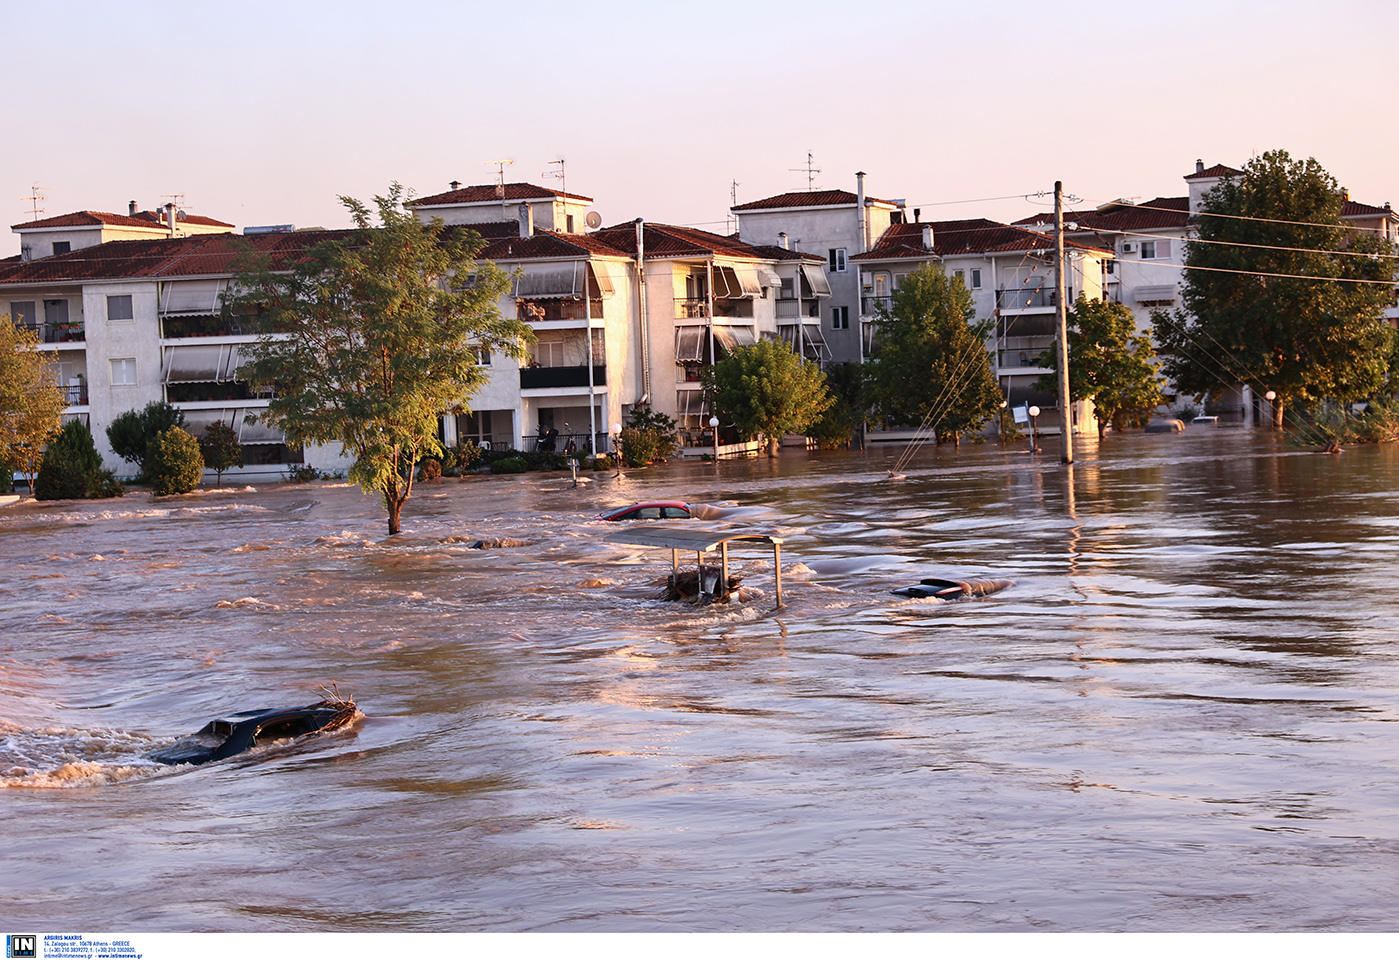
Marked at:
<point>1034,433</point>
<point>1271,396</point>
<point>617,444</point>
<point>714,426</point>
<point>1001,424</point>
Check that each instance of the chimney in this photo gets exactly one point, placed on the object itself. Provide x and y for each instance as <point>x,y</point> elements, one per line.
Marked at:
<point>860,204</point>
<point>917,214</point>
<point>455,184</point>
<point>526,220</point>
<point>131,208</point>
<point>927,237</point>
<point>170,219</point>
<point>782,240</point>
<point>1199,166</point>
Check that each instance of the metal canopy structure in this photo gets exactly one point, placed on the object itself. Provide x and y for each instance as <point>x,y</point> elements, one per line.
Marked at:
<point>701,542</point>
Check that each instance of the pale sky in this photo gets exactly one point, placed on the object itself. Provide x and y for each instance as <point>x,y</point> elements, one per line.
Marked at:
<point>264,112</point>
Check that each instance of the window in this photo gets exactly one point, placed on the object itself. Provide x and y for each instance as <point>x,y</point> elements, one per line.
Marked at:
<point>568,223</point>
<point>119,307</point>
<point>62,246</point>
<point>123,371</point>
<point>22,313</point>
<point>548,353</point>
<point>976,278</point>
<point>1156,249</point>
<point>789,289</point>
<point>899,280</point>
<point>482,354</point>
<point>840,318</point>
<point>837,258</point>
<point>881,285</point>
<point>960,275</point>
<point>55,312</point>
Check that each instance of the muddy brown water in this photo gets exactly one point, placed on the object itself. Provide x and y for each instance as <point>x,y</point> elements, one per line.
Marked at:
<point>1177,719</point>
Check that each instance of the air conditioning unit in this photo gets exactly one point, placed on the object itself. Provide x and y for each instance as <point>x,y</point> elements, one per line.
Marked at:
<point>1130,248</point>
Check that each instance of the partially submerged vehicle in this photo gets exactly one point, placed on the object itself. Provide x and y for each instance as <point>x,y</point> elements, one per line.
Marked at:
<point>235,733</point>
<point>952,590</point>
<point>647,511</point>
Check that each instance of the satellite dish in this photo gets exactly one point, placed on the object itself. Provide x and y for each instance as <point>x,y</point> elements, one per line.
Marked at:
<point>593,220</point>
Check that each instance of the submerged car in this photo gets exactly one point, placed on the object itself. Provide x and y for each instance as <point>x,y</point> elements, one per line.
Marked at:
<point>648,511</point>
<point>235,733</point>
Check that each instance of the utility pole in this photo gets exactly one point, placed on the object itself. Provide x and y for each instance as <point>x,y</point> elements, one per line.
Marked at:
<point>1061,311</point>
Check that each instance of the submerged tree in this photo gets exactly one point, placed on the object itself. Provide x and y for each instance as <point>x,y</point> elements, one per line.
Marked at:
<point>1110,363</point>
<point>370,337</point>
<point>1279,293</point>
<point>130,433</point>
<point>31,400</point>
<point>932,363</point>
<point>765,389</point>
<point>221,449</point>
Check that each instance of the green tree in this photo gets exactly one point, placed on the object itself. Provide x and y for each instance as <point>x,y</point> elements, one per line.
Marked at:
<point>649,436</point>
<point>932,365</point>
<point>765,389</point>
<point>71,467</point>
<point>835,426</point>
<point>1270,297</point>
<point>1110,363</point>
<point>173,462</point>
<point>221,449</point>
<point>31,400</point>
<point>371,337</point>
<point>130,433</point>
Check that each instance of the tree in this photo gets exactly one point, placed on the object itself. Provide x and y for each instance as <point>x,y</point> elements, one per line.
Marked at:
<point>766,389</point>
<point>173,462</point>
<point>834,428</point>
<point>650,436</point>
<point>1279,294</point>
<point>71,467</point>
<point>1110,363</point>
<point>31,400</point>
<point>370,337</point>
<point>221,449</point>
<point>932,365</point>
<point>130,433</point>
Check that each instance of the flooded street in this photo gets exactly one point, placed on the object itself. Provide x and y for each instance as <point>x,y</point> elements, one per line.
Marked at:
<point>1177,719</point>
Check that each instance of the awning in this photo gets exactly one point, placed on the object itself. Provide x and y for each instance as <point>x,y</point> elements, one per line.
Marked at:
<point>205,363</point>
<point>734,283</point>
<point>198,421</point>
<point>257,432</point>
<point>552,280</point>
<point>689,343</point>
<point>813,344</point>
<point>191,296</point>
<point>816,277</point>
<point>689,403</point>
<point>601,276</point>
<point>769,278</point>
<point>731,337</point>
<point>1154,295</point>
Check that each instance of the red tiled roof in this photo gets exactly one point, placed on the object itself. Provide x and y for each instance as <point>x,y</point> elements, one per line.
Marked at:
<point>809,198</point>
<point>1356,209</point>
<point>952,237</point>
<point>1159,214</point>
<point>95,218</point>
<point>664,240</point>
<point>483,193</point>
<point>1218,170</point>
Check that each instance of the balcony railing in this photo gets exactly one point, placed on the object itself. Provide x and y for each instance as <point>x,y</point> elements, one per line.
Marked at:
<point>56,333</point>
<point>1028,298</point>
<point>1033,326</point>
<point>690,308</point>
<point>76,396</point>
<point>534,378</point>
<point>545,310</point>
<point>871,303</point>
<point>209,325</point>
<point>788,308</point>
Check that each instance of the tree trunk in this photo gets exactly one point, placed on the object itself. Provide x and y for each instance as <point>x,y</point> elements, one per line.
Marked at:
<point>1277,414</point>
<point>773,444</point>
<point>395,510</point>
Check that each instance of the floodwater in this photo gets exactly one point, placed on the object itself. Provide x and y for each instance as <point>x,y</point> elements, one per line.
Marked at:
<point>1177,719</point>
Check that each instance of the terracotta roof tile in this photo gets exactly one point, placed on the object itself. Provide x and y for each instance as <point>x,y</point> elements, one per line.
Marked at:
<point>664,240</point>
<point>483,193</point>
<point>953,237</point>
<point>1160,214</point>
<point>809,198</point>
<point>1218,170</point>
<point>97,218</point>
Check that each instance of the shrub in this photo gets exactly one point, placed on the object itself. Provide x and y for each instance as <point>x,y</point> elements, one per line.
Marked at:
<point>602,462</point>
<point>304,474</point>
<point>430,469</point>
<point>649,437</point>
<point>173,462</point>
<point>131,433</point>
<point>71,465</point>
<point>221,449</point>
<point>7,479</point>
<point>509,465</point>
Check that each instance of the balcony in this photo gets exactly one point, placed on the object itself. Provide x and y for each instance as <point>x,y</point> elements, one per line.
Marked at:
<point>870,304</point>
<point>1032,326</point>
<point>1028,298</point>
<point>538,378</point>
<point>538,311</point>
<point>57,333</point>
<point>209,325</point>
<point>787,309</point>
<point>697,308</point>
<point>75,395</point>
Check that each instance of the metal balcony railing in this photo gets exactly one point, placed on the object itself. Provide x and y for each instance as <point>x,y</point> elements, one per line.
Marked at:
<point>532,378</point>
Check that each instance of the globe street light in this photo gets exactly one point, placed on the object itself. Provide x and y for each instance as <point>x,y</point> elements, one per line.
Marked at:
<point>1001,424</point>
<point>714,426</point>
<point>1034,434</point>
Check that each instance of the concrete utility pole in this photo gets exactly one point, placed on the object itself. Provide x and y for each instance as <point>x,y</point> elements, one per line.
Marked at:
<point>1061,311</point>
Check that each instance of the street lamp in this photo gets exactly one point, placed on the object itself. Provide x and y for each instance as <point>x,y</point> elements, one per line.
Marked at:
<point>1001,424</point>
<point>1271,396</point>
<point>617,444</point>
<point>1034,434</point>
<point>714,426</point>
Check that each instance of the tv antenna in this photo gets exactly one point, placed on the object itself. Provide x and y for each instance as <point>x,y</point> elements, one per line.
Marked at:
<point>733,202</point>
<point>34,198</point>
<point>811,171</point>
<point>500,166</point>
<point>557,175</point>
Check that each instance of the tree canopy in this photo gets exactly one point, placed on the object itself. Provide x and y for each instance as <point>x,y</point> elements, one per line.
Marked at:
<point>1279,293</point>
<point>1110,363</point>
<point>766,389</point>
<point>372,336</point>
<point>31,400</point>
<point>932,364</point>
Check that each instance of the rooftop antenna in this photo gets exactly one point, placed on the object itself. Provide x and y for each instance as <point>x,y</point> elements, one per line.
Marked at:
<point>733,202</point>
<point>557,175</point>
<point>811,171</point>
<point>34,198</point>
<point>500,166</point>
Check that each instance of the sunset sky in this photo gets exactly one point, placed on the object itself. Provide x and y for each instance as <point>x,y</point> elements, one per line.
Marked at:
<point>263,112</point>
